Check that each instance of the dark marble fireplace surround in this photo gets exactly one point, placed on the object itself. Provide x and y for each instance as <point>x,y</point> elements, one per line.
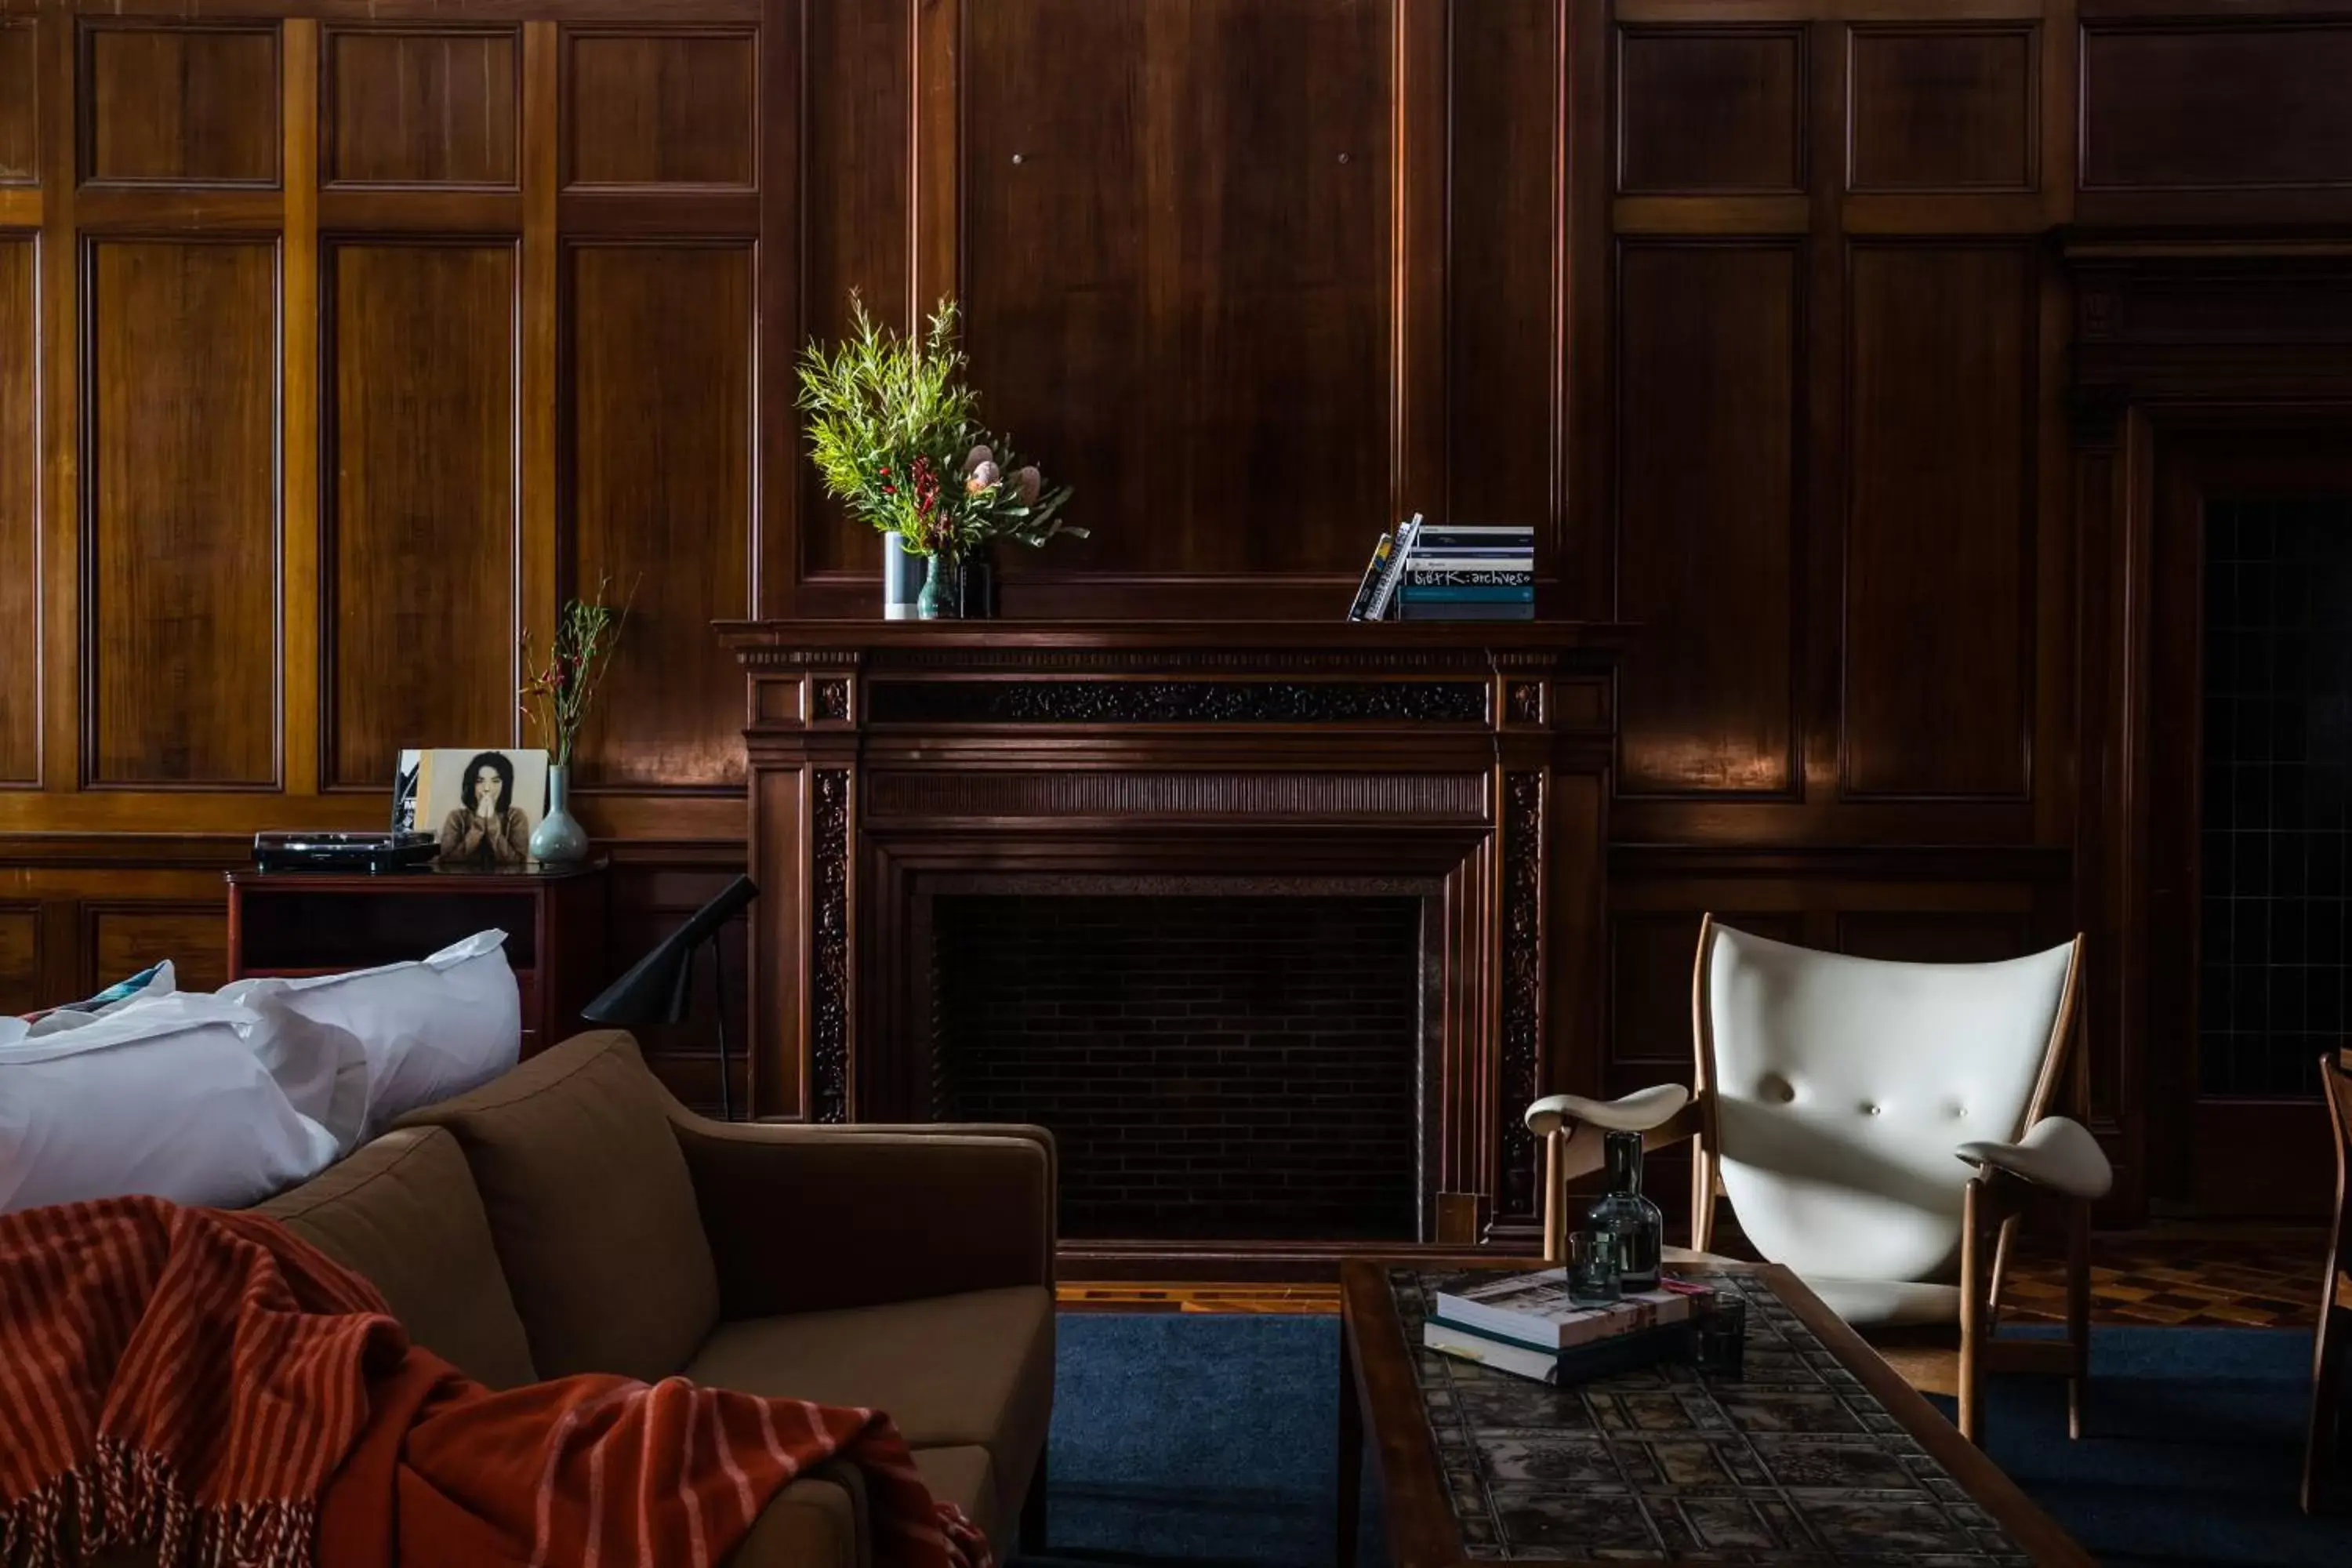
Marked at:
<point>1276,925</point>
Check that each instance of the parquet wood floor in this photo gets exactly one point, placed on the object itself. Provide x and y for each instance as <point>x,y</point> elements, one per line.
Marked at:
<point>2186,1275</point>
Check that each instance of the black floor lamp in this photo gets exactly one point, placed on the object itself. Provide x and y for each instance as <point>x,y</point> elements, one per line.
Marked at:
<point>659,988</point>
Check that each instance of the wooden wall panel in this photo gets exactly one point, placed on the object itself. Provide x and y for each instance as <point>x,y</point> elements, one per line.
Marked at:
<point>19,141</point>
<point>1803,434</point>
<point>1214,340</point>
<point>1069,329</point>
<point>428,109</point>
<point>180,654</point>
<point>1707,337</point>
<point>1651,957</point>
<point>858,158</point>
<point>20,623</point>
<point>1939,575</point>
<point>661,484</point>
<point>1502,419</point>
<point>20,958</point>
<point>420,503</point>
<point>124,940</point>
<point>661,109</point>
<point>1711,108</point>
<point>181,105</point>
<point>1283,358</point>
<point>1943,108</point>
<point>2184,108</point>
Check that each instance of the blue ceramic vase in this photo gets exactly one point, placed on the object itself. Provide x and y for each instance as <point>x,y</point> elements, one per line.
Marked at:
<point>559,839</point>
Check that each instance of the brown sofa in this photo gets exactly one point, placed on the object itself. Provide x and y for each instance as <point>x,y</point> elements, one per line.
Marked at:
<point>572,1216</point>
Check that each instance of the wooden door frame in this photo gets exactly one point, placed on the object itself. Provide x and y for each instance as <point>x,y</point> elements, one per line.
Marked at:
<point>2188,1140</point>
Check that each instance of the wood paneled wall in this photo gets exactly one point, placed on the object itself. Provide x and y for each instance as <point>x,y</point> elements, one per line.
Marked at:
<point>339,340</point>
<point>337,345</point>
<point>1834,464</point>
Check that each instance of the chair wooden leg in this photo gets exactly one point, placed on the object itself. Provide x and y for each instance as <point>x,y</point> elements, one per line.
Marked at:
<point>2002,1238</point>
<point>1973,1324</point>
<point>2078,1312</point>
<point>1352,1456</point>
<point>2330,1346</point>
<point>2327,1379</point>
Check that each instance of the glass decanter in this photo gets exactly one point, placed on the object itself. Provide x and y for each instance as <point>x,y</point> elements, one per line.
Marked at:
<point>1633,1220</point>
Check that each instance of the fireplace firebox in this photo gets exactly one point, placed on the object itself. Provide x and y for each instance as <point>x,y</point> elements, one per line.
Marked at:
<point>1211,1062</point>
<point>1276,925</point>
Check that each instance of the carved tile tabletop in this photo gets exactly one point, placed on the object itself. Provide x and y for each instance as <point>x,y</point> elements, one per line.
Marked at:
<point>1794,1463</point>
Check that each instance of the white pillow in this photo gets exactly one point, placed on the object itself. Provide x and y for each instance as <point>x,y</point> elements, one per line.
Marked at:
<point>160,980</point>
<point>168,1097</point>
<point>429,1029</point>
<point>322,1068</point>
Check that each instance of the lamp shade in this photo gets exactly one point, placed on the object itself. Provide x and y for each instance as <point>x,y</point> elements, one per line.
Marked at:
<point>656,990</point>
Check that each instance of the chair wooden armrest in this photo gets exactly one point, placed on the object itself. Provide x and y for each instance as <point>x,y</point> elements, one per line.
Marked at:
<point>2056,1153</point>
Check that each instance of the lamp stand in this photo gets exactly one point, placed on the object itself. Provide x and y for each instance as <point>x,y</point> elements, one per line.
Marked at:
<point>718,982</point>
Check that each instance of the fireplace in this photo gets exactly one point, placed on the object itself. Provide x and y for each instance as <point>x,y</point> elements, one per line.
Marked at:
<point>1212,1061</point>
<point>1277,926</point>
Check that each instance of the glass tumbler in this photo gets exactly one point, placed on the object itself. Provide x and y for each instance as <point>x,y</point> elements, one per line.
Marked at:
<point>1594,1268</point>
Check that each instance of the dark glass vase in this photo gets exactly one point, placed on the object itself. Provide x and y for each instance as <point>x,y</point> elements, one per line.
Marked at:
<point>1622,1213</point>
<point>980,585</point>
<point>942,595</point>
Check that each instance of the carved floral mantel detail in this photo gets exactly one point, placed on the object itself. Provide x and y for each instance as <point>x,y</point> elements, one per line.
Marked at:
<point>829,949</point>
<point>894,762</point>
<point>1522,1021</point>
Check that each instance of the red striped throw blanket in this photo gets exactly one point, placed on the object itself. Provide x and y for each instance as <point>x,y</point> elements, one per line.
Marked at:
<point>209,1386</point>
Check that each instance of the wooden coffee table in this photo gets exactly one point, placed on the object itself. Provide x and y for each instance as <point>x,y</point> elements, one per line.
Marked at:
<point>1819,1454</point>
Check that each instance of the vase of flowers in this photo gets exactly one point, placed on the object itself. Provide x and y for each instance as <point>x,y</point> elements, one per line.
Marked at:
<point>895,433</point>
<point>557,695</point>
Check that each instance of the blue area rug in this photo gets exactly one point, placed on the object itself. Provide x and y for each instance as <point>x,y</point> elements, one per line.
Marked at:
<point>1208,1440</point>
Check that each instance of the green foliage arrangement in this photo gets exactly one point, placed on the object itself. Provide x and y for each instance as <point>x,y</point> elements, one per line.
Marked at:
<point>559,691</point>
<point>895,432</point>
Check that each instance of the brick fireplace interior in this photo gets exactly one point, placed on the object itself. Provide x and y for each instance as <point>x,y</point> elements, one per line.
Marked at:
<point>1231,1065</point>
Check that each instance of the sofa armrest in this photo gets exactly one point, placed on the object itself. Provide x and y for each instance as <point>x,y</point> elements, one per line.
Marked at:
<point>806,1218</point>
<point>817,1521</point>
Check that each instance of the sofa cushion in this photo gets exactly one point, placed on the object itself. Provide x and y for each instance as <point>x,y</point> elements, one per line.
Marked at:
<point>402,1212</point>
<point>952,1371</point>
<point>591,1208</point>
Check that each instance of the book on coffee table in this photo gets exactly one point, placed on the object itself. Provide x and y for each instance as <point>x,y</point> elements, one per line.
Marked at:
<point>1578,1363</point>
<point>1534,1311</point>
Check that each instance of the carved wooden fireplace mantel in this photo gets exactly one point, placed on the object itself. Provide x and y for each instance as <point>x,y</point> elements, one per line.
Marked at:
<point>1464,764</point>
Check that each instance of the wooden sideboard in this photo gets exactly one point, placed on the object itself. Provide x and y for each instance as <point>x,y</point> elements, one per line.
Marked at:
<point>1467,763</point>
<point>308,923</point>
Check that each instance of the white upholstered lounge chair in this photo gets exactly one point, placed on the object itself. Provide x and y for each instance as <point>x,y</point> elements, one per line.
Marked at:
<point>1872,1124</point>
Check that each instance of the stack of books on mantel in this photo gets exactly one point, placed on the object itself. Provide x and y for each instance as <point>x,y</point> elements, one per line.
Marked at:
<point>1471,574</point>
<point>1526,1324</point>
<point>1452,572</point>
